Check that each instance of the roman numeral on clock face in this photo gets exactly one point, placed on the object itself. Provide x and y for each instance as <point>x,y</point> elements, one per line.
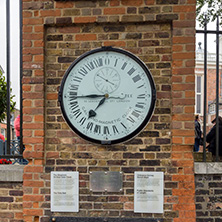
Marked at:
<point>82,120</point>
<point>136,78</point>
<point>106,130</point>
<point>140,105</point>
<point>90,66</point>
<point>77,79</point>
<point>98,62</point>
<point>115,130</point>
<point>136,114</point>
<point>124,66</point>
<point>141,96</point>
<point>131,71</point>
<point>73,105</point>
<point>74,87</point>
<point>89,126</point>
<point>130,119</point>
<point>115,62</point>
<point>83,71</point>
<point>77,113</point>
<point>97,129</point>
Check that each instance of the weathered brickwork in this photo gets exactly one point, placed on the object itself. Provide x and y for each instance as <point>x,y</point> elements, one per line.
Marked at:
<point>150,150</point>
<point>208,198</point>
<point>161,33</point>
<point>11,201</point>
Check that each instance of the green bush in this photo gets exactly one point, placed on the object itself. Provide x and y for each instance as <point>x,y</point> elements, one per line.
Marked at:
<point>209,9</point>
<point>3,98</point>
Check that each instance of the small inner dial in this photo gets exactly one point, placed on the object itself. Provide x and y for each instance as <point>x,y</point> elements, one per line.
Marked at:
<point>107,80</point>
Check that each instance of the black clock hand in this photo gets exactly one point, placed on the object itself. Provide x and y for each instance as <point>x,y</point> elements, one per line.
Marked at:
<point>101,102</point>
<point>90,96</point>
<point>92,113</point>
<point>106,80</point>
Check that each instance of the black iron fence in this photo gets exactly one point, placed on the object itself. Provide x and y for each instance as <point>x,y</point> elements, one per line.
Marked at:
<point>206,32</point>
<point>12,149</point>
<point>15,153</point>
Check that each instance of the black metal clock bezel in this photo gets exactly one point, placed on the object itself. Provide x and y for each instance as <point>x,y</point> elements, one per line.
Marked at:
<point>149,113</point>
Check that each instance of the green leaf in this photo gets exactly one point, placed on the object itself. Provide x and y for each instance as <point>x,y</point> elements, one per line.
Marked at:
<point>3,98</point>
<point>214,9</point>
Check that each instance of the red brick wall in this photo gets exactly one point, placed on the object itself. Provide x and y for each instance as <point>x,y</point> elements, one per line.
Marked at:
<point>162,34</point>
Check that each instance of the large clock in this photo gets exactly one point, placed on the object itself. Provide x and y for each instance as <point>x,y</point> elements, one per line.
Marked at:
<point>107,96</point>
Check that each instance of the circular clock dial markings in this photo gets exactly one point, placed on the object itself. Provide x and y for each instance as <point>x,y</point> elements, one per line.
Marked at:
<point>107,80</point>
<point>107,96</point>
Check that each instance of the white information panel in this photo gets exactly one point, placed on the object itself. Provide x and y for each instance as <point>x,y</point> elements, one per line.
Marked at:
<point>148,192</point>
<point>64,191</point>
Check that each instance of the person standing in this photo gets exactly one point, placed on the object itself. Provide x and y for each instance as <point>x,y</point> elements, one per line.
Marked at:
<point>198,133</point>
<point>211,137</point>
<point>17,133</point>
<point>2,137</point>
<point>17,126</point>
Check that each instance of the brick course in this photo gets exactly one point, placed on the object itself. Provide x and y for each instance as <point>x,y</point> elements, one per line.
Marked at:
<point>161,33</point>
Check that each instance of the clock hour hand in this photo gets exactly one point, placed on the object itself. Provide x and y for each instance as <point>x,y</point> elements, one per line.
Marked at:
<point>92,113</point>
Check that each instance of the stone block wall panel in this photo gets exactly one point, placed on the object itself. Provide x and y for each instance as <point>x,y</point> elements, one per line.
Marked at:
<point>208,197</point>
<point>162,34</point>
<point>11,201</point>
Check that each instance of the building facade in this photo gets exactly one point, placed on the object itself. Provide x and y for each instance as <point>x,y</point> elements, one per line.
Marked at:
<point>211,84</point>
<point>162,34</point>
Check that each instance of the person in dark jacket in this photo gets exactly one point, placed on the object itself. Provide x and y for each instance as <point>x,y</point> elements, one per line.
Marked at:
<point>211,138</point>
<point>198,134</point>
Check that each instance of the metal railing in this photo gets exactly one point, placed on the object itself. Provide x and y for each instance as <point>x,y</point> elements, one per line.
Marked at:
<point>205,32</point>
<point>14,154</point>
<point>12,148</point>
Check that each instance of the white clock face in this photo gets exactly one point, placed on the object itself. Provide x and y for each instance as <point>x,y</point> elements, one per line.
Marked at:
<point>107,96</point>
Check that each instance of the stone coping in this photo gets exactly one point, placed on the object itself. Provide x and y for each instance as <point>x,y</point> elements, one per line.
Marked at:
<point>14,173</point>
<point>208,168</point>
<point>11,173</point>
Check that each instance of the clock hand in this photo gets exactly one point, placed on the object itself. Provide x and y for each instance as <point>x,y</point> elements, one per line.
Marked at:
<point>90,96</point>
<point>121,96</point>
<point>101,102</point>
<point>105,79</point>
<point>92,113</point>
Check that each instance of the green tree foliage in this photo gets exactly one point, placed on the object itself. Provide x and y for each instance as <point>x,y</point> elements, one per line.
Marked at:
<point>213,9</point>
<point>3,98</point>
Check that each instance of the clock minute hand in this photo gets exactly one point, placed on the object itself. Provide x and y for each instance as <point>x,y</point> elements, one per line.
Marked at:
<point>90,96</point>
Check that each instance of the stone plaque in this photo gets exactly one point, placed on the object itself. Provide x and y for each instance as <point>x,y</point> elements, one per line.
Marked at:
<point>101,181</point>
<point>148,192</point>
<point>64,191</point>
